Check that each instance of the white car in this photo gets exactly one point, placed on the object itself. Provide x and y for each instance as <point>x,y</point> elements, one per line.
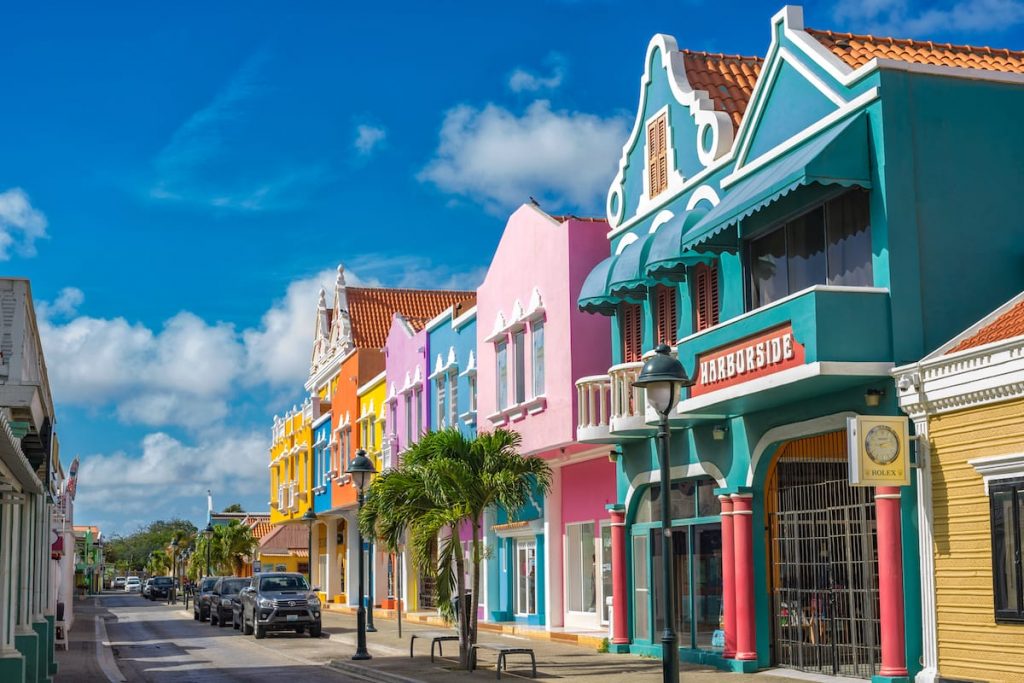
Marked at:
<point>132,584</point>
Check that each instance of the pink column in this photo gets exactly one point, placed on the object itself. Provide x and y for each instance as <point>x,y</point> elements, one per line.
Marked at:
<point>742,522</point>
<point>890,580</point>
<point>728,578</point>
<point>619,598</point>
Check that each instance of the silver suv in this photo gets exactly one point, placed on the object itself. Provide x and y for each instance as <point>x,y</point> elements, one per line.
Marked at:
<point>280,601</point>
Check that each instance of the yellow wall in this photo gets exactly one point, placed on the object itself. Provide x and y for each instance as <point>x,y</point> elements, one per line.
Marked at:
<point>971,645</point>
<point>371,399</point>
<point>269,563</point>
<point>291,467</point>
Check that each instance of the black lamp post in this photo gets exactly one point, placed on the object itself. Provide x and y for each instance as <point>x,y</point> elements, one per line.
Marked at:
<point>208,533</point>
<point>360,469</point>
<point>661,377</point>
<point>310,519</point>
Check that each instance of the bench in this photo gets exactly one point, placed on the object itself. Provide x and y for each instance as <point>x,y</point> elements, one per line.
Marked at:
<point>503,652</point>
<point>435,637</point>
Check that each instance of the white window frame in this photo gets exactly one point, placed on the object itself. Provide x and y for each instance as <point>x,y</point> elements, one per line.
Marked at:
<point>576,554</point>
<point>502,384</point>
<point>519,369</point>
<point>535,327</point>
<point>526,544</point>
<point>453,398</point>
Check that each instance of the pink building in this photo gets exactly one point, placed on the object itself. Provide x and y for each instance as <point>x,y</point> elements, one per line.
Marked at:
<point>547,566</point>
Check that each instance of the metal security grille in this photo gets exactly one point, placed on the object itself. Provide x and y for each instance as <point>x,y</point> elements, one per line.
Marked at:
<point>824,569</point>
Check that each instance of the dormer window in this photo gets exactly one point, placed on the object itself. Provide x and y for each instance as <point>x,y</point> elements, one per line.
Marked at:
<point>657,155</point>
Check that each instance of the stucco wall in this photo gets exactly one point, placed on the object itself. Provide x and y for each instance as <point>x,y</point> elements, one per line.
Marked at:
<point>406,352</point>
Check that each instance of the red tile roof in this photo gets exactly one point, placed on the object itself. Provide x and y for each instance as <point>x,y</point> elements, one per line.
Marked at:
<point>1009,324</point>
<point>728,79</point>
<point>856,50</point>
<point>371,309</point>
<point>283,537</point>
<point>260,528</point>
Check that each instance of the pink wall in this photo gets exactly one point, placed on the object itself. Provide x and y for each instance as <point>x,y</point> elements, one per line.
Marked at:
<point>554,257</point>
<point>404,352</point>
<point>589,486</point>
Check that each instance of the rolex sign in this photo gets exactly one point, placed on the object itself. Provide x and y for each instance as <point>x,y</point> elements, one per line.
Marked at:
<point>878,450</point>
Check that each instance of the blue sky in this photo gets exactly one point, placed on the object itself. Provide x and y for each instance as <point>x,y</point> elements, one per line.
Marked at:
<point>178,179</point>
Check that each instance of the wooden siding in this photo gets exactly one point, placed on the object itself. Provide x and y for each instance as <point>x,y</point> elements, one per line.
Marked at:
<point>971,645</point>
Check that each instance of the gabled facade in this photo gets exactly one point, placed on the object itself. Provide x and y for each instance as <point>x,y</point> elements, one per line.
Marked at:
<point>408,406</point>
<point>544,568</point>
<point>786,224</point>
<point>291,464</point>
<point>451,338</point>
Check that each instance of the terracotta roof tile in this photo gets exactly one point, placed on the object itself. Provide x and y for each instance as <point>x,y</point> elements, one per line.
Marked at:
<point>728,79</point>
<point>371,310</point>
<point>261,528</point>
<point>1009,324</point>
<point>857,50</point>
<point>282,537</point>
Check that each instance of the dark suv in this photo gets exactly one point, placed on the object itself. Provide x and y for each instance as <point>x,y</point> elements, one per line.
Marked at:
<point>222,598</point>
<point>280,601</point>
<point>159,587</point>
<point>201,604</point>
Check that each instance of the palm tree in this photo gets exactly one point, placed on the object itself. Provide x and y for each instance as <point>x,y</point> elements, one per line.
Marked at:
<point>236,545</point>
<point>447,480</point>
<point>157,563</point>
<point>180,540</point>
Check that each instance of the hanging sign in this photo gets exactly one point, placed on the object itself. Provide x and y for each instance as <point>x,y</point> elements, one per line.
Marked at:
<point>878,449</point>
<point>763,354</point>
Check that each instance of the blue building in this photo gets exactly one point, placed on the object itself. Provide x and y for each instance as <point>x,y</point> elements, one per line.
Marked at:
<point>794,226</point>
<point>322,474</point>
<point>451,338</point>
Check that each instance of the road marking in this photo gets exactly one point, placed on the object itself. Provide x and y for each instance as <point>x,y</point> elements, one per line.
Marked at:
<point>104,652</point>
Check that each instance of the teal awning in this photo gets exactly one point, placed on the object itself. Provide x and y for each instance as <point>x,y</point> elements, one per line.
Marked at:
<point>626,279</point>
<point>666,259</point>
<point>839,156</point>
<point>594,297</point>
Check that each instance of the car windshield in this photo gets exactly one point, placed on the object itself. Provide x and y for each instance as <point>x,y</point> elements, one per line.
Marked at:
<point>207,584</point>
<point>232,586</point>
<point>283,583</point>
<point>163,581</point>
<point>133,579</point>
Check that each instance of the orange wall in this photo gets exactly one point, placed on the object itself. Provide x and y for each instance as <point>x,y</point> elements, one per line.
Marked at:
<point>356,370</point>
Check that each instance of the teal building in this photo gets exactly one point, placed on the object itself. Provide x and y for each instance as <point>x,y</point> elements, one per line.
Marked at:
<point>794,226</point>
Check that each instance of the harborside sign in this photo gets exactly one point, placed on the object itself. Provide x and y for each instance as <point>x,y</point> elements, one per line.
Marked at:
<point>767,353</point>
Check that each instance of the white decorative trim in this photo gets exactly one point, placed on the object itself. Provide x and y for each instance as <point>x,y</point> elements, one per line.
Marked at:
<point>929,618</point>
<point>534,527</point>
<point>994,468</point>
<point>371,385</point>
<point>320,420</point>
<point>464,319</point>
<point>625,242</point>
<point>664,216</point>
<point>811,77</point>
<point>819,425</point>
<point>536,310</point>
<point>470,370</point>
<point>704,193</point>
<point>498,331</point>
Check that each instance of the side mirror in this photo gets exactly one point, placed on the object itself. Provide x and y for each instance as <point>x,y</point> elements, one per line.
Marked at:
<point>316,589</point>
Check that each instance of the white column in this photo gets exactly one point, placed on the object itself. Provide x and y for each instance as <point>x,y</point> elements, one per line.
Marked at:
<point>20,554</point>
<point>929,630</point>
<point>553,553</point>
<point>42,559</point>
<point>6,572</point>
<point>333,581</point>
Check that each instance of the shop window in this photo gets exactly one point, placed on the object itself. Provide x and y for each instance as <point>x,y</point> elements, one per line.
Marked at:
<point>1007,514</point>
<point>666,315</point>
<point>830,244</point>
<point>519,371</point>
<point>657,155</point>
<point>641,590</point>
<point>606,571</point>
<point>580,588</point>
<point>630,332</point>
<point>705,296</point>
<point>501,350</point>
<point>537,334</point>
<point>526,577</point>
<point>691,498</point>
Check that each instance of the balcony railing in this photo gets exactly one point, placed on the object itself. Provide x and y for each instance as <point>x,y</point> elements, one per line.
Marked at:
<point>628,402</point>
<point>609,409</point>
<point>389,453</point>
<point>593,409</point>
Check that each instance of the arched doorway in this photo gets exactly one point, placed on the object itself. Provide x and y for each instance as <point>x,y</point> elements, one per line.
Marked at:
<point>822,558</point>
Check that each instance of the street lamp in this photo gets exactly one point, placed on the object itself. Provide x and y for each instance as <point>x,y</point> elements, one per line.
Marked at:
<point>360,468</point>
<point>310,519</point>
<point>661,377</point>
<point>208,533</point>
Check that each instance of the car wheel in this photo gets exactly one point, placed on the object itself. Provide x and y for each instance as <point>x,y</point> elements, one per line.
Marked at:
<point>300,629</point>
<point>260,632</point>
<point>314,631</point>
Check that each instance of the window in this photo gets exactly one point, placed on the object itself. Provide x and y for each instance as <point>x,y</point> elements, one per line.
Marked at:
<point>580,588</point>
<point>371,429</point>
<point>537,361</point>
<point>657,155</point>
<point>830,244</point>
<point>419,411</point>
<point>519,348</point>
<point>408,419</point>
<point>666,315</point>
<point>502,367</point>
<point>606,571</point>
<point>630,336</point>
<point>472,393</point>
<point>526,577</point>
<point>1007,510</point>
<point>705,296</point>
<point>453,399</point>
<point>439,405</point>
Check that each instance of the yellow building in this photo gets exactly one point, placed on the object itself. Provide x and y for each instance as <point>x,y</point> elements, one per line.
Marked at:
<point>291,464</point>
<point>967,403</point>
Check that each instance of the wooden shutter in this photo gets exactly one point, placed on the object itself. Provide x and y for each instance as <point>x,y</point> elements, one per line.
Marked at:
<point>630,333</point>
<point>705,296</point>
<point>666,314</point>
<point>657,155</point>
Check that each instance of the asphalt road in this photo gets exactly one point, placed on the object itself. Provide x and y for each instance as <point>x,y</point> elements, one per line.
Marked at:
<point>157,643</point>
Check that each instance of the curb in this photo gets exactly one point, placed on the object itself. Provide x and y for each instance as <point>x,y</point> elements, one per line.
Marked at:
<point>368,673</point>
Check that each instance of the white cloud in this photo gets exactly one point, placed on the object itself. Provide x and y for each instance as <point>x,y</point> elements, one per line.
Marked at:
<point>368,138</point>
<point>65,305</point>
<point>901,18</point>
<point>500,159</point>
<point>413,271</point>
<point>522,80</point>
<point>20,224</point>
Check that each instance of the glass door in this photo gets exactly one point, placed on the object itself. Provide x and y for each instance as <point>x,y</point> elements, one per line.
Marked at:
<point>641,591</point>
<point>606,572</point>
<point>526,577</point>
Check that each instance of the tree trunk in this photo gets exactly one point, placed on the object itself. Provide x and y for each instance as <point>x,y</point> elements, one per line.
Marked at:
<point>476,581</point>
<point>460,582</point>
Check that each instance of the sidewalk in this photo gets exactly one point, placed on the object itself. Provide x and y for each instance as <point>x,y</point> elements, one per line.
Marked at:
<point>391,661</point>
<point>88,657</point>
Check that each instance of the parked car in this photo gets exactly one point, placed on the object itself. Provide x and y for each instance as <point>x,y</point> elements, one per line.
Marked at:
<point>279,601</point>
<point>132,584</point>
<point>201,599</point>
<point>222,599</point>
<point>159,587</point>
<point>118,583</point>
<point>145,587</point>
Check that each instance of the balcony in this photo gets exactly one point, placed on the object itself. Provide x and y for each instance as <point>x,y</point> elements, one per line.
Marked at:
<point>609,408</point>
<point>593,410</point>
<point>389,453</point>
<point>814,342</point>
<point>628,402</point>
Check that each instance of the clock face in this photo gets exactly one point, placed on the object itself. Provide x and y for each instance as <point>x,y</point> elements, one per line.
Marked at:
<point>882,444</point>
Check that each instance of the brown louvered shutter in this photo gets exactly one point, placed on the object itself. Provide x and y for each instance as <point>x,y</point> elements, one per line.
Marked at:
<point>657,155</point>
<point>630,333</point>
<point>705,296</point>
<point>666,314</point>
